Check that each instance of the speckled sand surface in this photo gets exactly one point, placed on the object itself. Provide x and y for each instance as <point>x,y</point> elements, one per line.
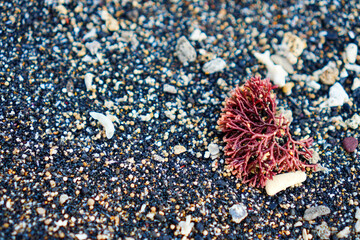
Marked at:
<point>162,174</point>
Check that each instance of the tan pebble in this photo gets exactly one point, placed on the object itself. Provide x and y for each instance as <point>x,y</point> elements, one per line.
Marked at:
<point>91,202</point>
<point>287,89</point>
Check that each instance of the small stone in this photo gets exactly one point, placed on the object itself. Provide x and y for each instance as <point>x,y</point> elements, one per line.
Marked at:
<point>314,212</point>
<point>63,198</point>
<point>350,144</point>
<point>356,84</point>
<point>357,226</point>
<point>185,51</point>
<point>238,212</point>
<point>351,52</point>
<point>287,88</point>
<point>357,213</point>
<point>284,180</point>
<point>170,89</point>
<point>329,74</point>
<point>277,59</point>
<point>178,149</point>
<point>186,226</point>
<point>337,96</point>
<point>344,233</point>
<point>91,202</point>
<point>323,231</point>
<point>353,122</point>
<point>93,47</point>
<point>213,149</point>
<point>215,65</point>
<point>41,211</point>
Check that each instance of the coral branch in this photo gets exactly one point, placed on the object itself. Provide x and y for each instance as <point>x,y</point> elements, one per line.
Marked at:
<point>258,141</point>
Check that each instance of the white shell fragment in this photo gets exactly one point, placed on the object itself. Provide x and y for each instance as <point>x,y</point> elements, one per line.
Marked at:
<point>238,212</point>
<point>170,88</point>
<point>186,226</point>
<point>282,181</point>
<point>337,97</point>
<point>276,73</point>
<point>106,122</point>
<point>110,22</point>
<point>314,212</point>
<point>88,81</point>
<point>197,35</point>
<point>215,65</point>
<point>351,52</point>
<point>185,51</point>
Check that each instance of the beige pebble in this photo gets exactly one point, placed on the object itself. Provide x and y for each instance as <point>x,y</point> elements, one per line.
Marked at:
<point>41,211</point>
<point>91,202</point>
<point>178,149</point>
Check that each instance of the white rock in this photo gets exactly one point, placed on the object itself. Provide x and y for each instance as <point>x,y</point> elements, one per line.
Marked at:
<point>215,65</point>
<point>106,122</point>
<point>213,149</point>
<point>282,181</point>
<point>93,47</point>
<point>197,35</point>
<point>357,226</point>
<point>314,85</point>
<point>81,236</point>
<point>352,67</point>
<point>353,122</point>
<point>63,198</point>
<point>337,97</point>
<point>110,22</point>
<point>351,52</point>
<point>344,233</point>
<point>356,84</point>
<point>41,211</point>
<point>357,213</point>
<point>238,212</point>
<point>185,51</point>
<point>186,226</point>
<point>344,73</point>
<point>178,149</point>
<point>88,81</point>
<point>170,88</point>
<point>314,212</point>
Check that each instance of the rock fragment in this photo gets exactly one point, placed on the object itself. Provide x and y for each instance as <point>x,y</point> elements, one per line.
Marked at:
<point>353,122</point>
<point>185,51</point>
<point>351,52</point>
<point>337,97</point>
<point>170,89</point>
<point>215,65</point>
<point>238,212</point>
<point>63,198</point>
<point>186,226</point>
<point>314,212</point>
<point>178,149</point>
<point>344,233</point>
<point>329,74</point>
<point>350,144</point>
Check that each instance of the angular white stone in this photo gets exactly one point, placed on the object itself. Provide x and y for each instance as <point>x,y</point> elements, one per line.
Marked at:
<point>351,52</point>
<point>215,65</point>
<point>185,51</point>
<point>344,233</point>
<point>170,88</point>
<point>337,96</point>
<point>282,181</point>
<point>63,198</point>
<point>357,213</point>
<point>356,84</point>
<point>352,67</point>
<point>186,226</point>
<point>357,226</point>
<point>238,212</point>
<point>93,47</point>
<point>88,81</point>
<point>106,122</point>
<point>178,149</point>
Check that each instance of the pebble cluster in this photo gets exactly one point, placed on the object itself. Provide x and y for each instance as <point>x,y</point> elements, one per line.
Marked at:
<point>109,108</point>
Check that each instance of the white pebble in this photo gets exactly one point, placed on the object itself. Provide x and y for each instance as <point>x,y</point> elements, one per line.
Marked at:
<point>353,67</point>
<point>213,149</point>
<point>88,81</point>
<point>238,212</point>
<point>186,226</point>
<point>197,35</point>
<point>93,47</point>
<point>106,122</point>
<point>344,233</point>
<point>357,213</point>
<point>357,226</point>
<point>282,181</point>
<point>81,236</point>
<point>170,88</point>
<point>215,65</point>
<point>356,84</point>
<point>178,149</point>
<point>353,122</point>
<point>41,211</point>
<point>63,198</point>
<point>337,97</point>
<point>185,51</point>
<point>351,52</point>
<point>314,212</point>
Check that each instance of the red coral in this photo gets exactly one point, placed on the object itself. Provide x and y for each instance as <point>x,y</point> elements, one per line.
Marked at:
<point>259,144</point>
